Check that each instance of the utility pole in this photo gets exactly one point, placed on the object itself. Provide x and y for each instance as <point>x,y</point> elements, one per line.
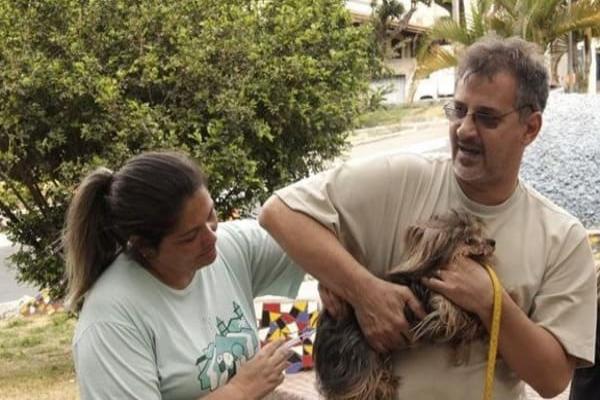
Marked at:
<point>456,11</point>
<point>570,78</point>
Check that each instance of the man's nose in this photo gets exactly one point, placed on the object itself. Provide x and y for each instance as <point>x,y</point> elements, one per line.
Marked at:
<point>466,126</point>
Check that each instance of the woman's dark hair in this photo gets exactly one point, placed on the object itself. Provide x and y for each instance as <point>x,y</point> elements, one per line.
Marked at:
<point>142,200</point>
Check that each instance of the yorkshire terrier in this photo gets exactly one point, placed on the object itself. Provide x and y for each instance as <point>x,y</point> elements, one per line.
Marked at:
<point>347,368</point>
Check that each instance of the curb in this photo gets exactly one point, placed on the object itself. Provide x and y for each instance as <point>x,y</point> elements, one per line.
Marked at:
<point>11,308</point>
<point>4,242</point>
<point>369,135</point>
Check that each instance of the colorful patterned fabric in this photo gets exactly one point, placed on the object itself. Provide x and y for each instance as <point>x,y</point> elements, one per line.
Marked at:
<point>291,320</point>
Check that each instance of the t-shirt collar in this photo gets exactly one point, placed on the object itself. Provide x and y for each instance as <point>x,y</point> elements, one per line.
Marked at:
<point>482,209</point>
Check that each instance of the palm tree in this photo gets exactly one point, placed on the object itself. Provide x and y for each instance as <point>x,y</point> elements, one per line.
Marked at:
<point>545,22</point>
<point>383,15</point>
<point>390,19</point>
<point>433,55</point>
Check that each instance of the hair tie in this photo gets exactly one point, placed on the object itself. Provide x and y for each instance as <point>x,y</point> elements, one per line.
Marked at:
<point>110,177</point>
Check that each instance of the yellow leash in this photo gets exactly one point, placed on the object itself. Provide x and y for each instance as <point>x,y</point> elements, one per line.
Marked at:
<point>494,333</point>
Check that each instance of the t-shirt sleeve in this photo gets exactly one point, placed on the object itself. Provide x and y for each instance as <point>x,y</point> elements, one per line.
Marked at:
<point>339,197</point>
<point>270,270</point>
<point>113,362</point>
<point>566,303</point>
<point>362,203</point>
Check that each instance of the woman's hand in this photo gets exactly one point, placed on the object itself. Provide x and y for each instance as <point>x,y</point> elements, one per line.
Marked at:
<point>263,373</point>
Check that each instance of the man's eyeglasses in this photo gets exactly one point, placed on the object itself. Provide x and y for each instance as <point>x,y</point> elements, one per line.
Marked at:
<point>455,112</point>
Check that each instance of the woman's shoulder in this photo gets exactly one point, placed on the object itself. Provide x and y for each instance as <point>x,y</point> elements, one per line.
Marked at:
<point>119,295</point>
<point>239,234</point>
<point>124,277</point>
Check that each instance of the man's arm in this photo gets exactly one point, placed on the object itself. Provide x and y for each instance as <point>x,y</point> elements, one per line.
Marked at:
<point>378,304</point>
<point>531,351</point>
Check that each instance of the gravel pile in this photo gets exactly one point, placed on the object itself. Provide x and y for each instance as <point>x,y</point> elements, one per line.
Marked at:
<point>563,163</point>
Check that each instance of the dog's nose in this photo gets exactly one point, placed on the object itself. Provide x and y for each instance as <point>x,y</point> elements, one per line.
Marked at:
<point>491,242</point>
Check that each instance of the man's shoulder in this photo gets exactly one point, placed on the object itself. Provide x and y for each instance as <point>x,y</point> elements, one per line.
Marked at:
<point>544,203</point>
<point>555,218</point>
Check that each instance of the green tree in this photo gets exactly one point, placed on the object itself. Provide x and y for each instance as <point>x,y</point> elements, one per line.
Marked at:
<point>260,93</point>
<point>390,19</point>
<point>545,22</point>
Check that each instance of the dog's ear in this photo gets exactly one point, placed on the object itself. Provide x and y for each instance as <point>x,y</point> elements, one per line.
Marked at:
<point>414,235</point>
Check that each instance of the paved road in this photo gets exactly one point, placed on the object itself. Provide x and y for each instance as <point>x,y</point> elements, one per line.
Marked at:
<point>9,288</point>
<point>419,139</point>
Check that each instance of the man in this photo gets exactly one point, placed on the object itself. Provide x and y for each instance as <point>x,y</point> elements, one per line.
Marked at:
<point>346,227</point>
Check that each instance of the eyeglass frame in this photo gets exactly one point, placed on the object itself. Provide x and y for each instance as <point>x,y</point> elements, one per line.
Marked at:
<point>497,119</point>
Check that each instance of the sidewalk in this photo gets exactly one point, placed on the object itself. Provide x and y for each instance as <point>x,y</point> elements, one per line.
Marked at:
<point>10,289</point>
<point>413,130</point>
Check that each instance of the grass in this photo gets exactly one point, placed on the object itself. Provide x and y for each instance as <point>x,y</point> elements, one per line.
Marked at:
<point>388,115</point>
<point>35,355</point>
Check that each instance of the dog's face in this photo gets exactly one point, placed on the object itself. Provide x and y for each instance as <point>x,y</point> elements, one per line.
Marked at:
<point>435,243</point>
<point>431,246</point>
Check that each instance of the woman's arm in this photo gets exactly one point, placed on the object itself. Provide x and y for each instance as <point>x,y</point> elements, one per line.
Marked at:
<point>113,361</point>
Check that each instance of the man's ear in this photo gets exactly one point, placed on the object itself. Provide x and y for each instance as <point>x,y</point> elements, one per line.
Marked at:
<point>533,124</point>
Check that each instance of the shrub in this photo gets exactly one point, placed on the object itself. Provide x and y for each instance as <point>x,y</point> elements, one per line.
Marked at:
<point>260,92</point>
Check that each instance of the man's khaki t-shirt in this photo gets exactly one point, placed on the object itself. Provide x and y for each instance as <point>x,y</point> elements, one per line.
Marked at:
<point>543,258</point>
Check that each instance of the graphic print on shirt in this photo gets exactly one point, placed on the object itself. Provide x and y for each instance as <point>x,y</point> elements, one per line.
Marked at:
<point>234,344</point>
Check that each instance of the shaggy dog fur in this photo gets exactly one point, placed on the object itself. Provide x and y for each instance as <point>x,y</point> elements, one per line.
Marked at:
<point>349,369</point>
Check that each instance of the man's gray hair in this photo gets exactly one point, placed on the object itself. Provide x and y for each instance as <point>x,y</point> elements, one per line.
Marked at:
<point>522,59</point>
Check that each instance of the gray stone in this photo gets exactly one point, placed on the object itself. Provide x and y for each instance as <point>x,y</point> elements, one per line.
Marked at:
<point>564,162</point>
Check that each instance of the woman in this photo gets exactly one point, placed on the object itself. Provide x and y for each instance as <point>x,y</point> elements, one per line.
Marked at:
<point>166,300</point>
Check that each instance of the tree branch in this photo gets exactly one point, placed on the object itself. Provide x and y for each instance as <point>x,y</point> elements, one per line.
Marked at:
<point>15,191</point>
<point>8,212</point>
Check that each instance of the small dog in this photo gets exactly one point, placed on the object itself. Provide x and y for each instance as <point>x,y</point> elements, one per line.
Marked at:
<point>347,368</point>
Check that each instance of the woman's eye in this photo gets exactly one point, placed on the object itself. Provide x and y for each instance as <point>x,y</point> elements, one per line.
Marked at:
<point>189,239</point>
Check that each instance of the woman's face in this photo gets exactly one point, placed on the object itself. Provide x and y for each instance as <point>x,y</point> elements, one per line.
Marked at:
<point>191,245</point>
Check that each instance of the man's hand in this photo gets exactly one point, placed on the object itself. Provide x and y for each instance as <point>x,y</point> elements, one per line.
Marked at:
<point>467,284</point>
<point>380,313</point>
<point>334,304</point>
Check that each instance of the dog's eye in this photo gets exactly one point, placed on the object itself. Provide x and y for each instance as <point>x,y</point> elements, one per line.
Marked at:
<point>470,241</point>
